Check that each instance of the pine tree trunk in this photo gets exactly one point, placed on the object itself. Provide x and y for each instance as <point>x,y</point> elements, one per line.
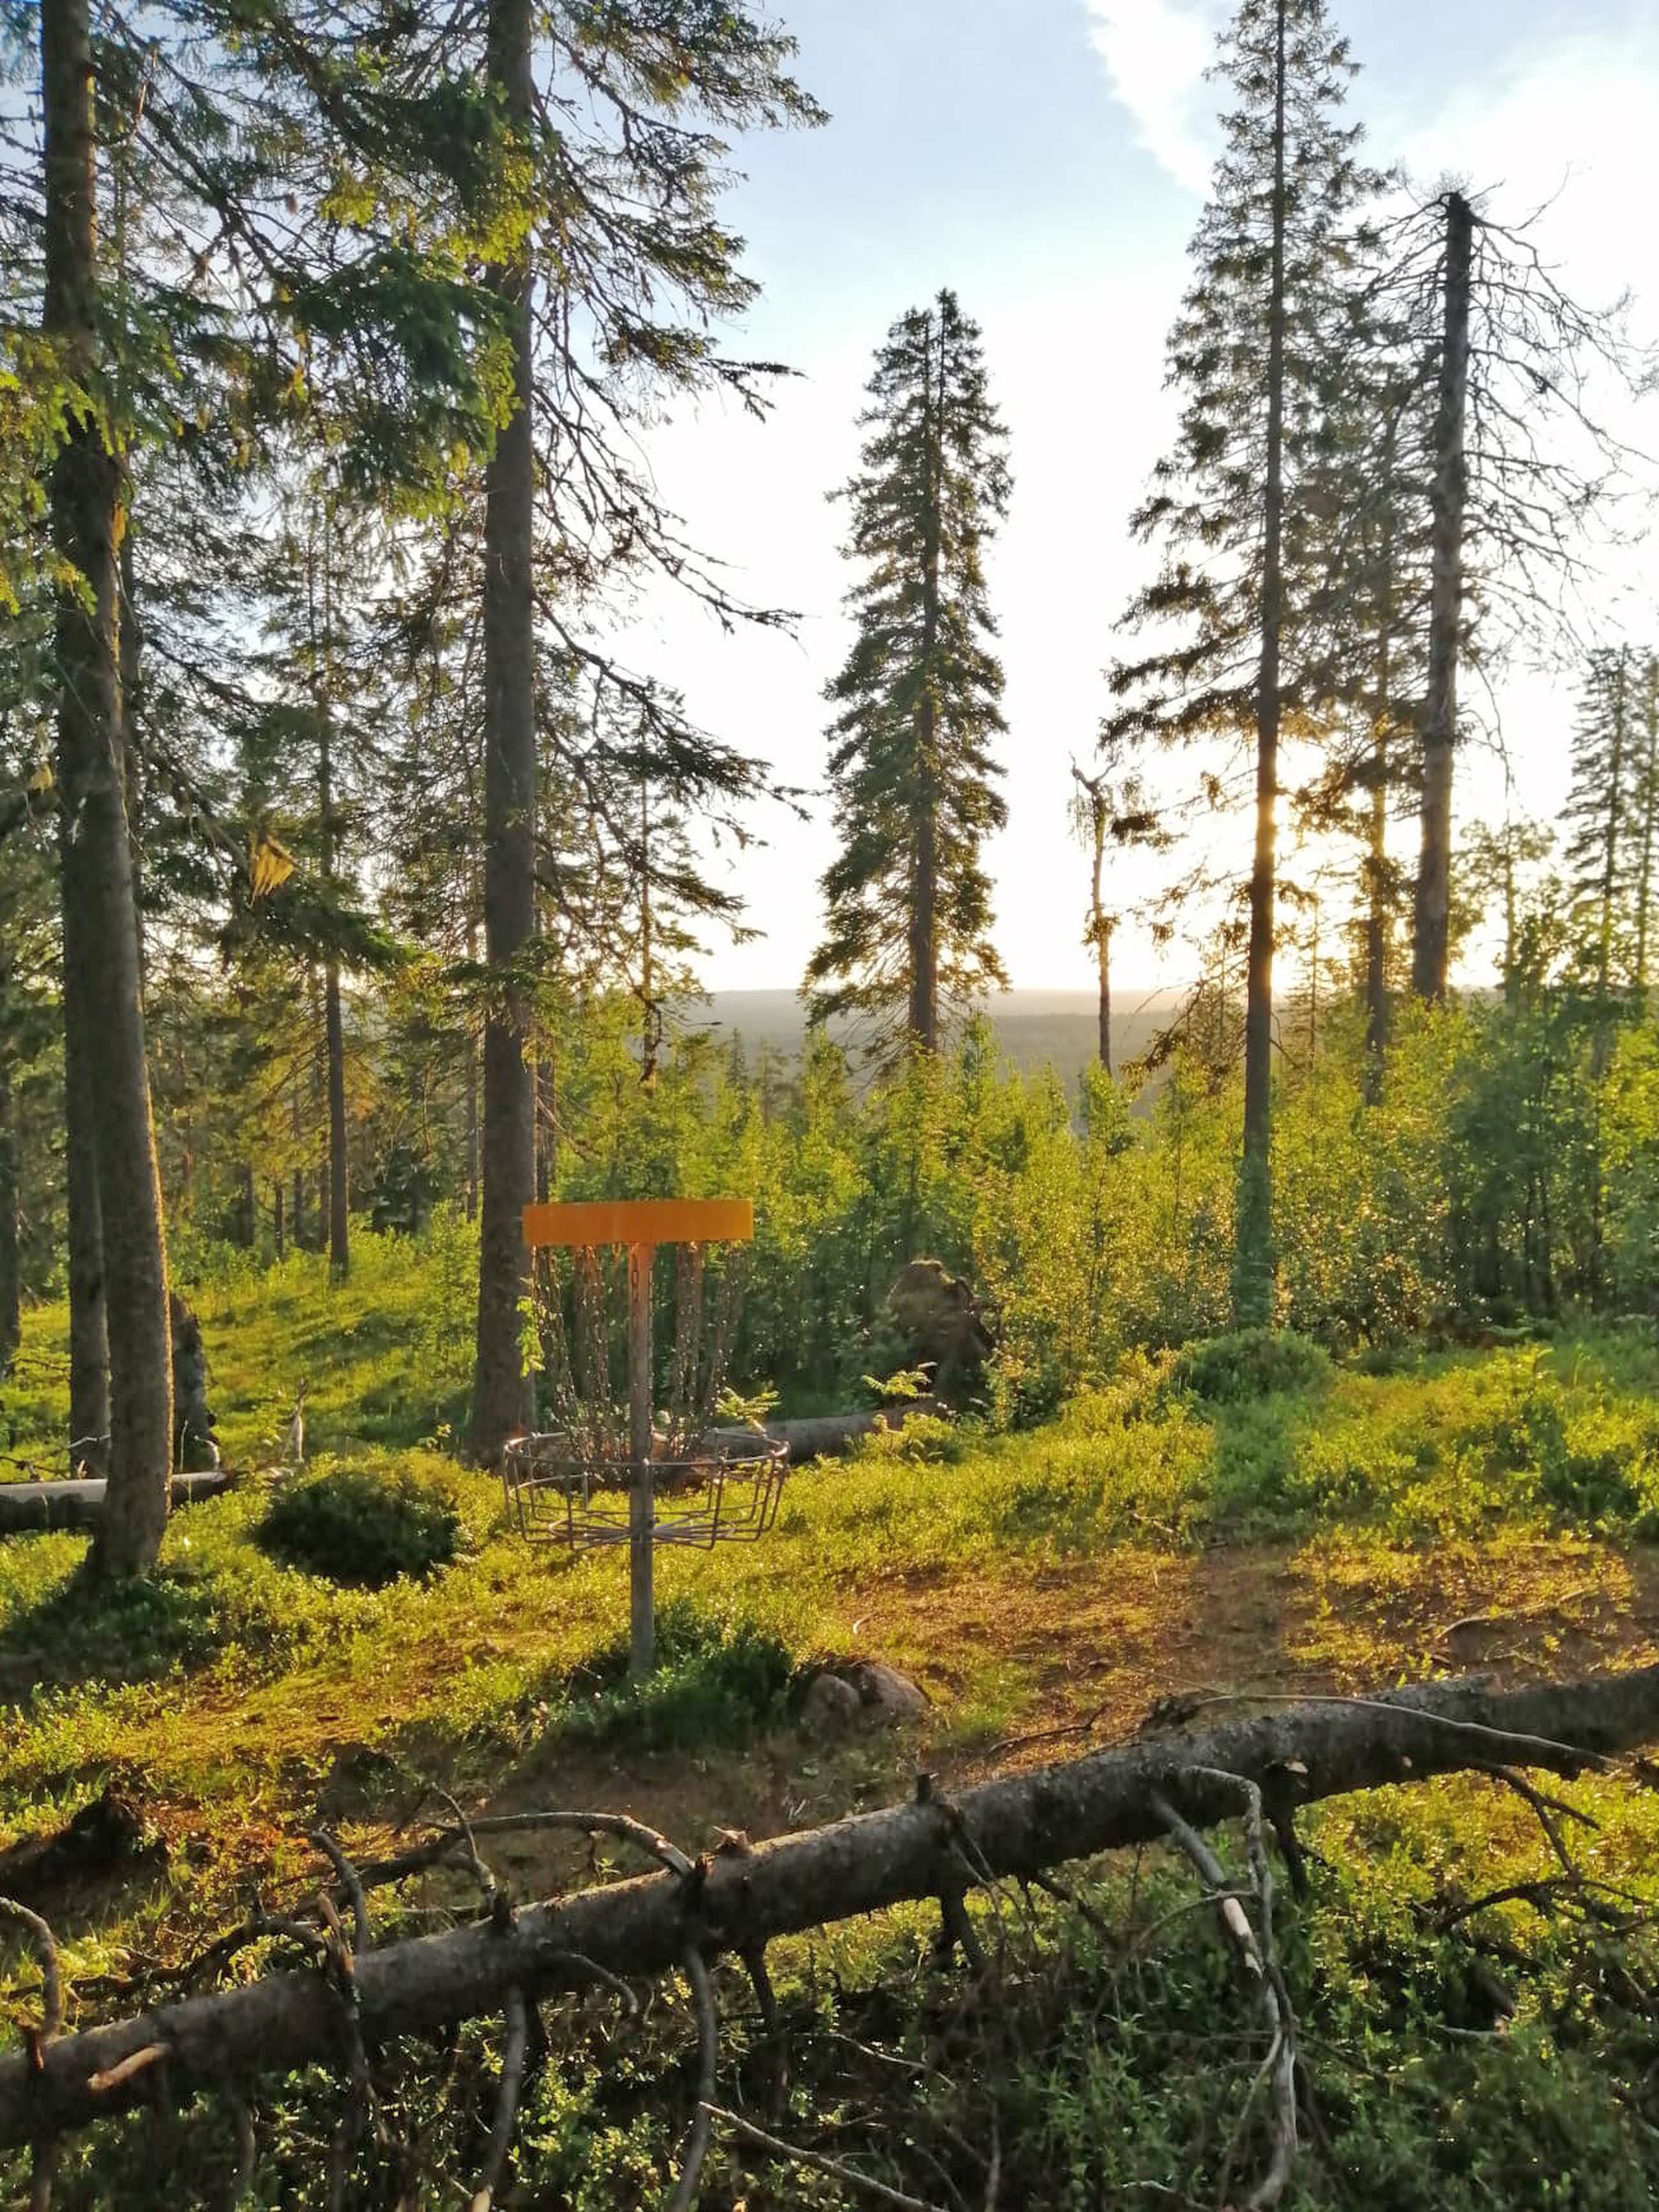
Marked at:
<point>1103,934</point>
<point>131,756</point>
<point>471,1128</point>
<point>1253,1271</point>
<point>339,1192</point>
<point>11,1288</point>
<point>88,1334</point>
<point>101,979</point>
<point>924,830</point>
<point>501,1395</point>
<point>1431,935</point>
<point>339,1225</point>
<point>547,1165</point>
<point>278,1234</point>
<point>334,1196</point>
<point>1376,922</point>
<point>1650,791</point>
<point>1377,886</point>
<point>1611,839</point>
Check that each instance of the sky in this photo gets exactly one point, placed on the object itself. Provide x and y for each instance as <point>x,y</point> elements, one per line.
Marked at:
<point>1048,160</point>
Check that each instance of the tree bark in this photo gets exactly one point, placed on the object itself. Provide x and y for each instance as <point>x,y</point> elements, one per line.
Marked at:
<point>131,670</point>
<point>338,1194</point>
<point>1612,834</point>
<point>1253,1268</point>
<point>1377,886</point>
<point>88,1331</point>
<point>11,1289</point>
<point>501,1391</point>
<point>1100,922</point>
<point>1103,971</point>
<point>1431,933</point>
<point>339,1190</point>
<point>1648,786</point>
<point>1016,1826</point>
<point>103,985</point>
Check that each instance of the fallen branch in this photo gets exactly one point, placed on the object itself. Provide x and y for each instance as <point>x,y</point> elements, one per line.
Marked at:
<point>1260,1971</point>
<point>507,2102</point>
<point>1019,1826</point>
<point>818,2162</point>
<point>78,1501</point>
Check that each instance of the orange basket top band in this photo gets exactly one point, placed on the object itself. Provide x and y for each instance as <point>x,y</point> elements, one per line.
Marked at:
<point>591,1222</point>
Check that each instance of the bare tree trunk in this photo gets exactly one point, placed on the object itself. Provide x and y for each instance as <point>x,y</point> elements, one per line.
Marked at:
<point>1376,918</point>
<point>1103,973</point>
<point>335,1199</point>
<point>11,1288</point>
<point>1612,838</point>
<point>501,1391</point>
<point>1378,888</point>
<point>1649,787</point>
<point>102,987</point>
<point>88,1331</point>
<point>1432,935</point>
<point>339,1193</point>
<point>278,1236</point>
<point>924,830</point>
<point>131,756</point>
<point>1092,811</point>
<point>471,1129</point>
<point>547,1166</point>
<point>1252,1269</point>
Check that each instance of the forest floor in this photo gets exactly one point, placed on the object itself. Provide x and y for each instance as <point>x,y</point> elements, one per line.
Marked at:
<point>1442,1513</point>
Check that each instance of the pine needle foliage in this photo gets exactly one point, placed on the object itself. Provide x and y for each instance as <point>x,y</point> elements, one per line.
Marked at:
<point>912,769</point>
<point>1240,506</point>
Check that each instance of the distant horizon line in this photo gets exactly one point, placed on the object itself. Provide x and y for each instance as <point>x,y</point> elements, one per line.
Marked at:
<point>1129,995</point>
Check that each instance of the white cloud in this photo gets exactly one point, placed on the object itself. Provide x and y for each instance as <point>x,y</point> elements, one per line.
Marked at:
<point>1156,52</point>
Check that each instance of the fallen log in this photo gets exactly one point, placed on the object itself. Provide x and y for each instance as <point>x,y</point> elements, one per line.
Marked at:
<point>78,1501</point>
<point>820,1436</point>
<point>1019,1825</point>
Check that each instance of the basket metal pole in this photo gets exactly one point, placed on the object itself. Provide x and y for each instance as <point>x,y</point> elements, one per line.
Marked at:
<point>641,1505</point>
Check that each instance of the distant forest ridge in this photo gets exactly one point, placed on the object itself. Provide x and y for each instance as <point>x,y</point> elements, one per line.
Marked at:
<point>1035,1029</point>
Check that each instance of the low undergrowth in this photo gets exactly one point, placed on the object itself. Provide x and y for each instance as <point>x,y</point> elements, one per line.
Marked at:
<point>1400,1505</point>
<point>1456,2055</point>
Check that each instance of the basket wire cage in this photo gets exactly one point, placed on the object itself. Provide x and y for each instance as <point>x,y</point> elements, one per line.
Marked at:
<point>637,1455</point>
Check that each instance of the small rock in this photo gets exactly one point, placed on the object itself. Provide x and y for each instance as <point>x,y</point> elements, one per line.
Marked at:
<point>887,1691</point>
<point>829,1706</point>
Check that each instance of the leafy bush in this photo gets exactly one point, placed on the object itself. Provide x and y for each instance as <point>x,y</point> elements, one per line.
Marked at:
<point>363,1525</point>
<point>1251,1362</point>
<point>718,1676</point>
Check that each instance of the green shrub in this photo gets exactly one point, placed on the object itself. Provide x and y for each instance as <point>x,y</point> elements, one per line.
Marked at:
<point>1251,1362</point>
<point>364,1526</point>
<point>718,1676</point>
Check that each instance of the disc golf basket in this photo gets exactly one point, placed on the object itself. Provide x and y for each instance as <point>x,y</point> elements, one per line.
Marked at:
<point>628,1464</point>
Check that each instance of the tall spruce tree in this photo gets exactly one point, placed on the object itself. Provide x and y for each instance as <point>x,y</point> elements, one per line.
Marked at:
<point>606,275</point>
<point>1247,550</point>
<point>1611,816</point>
<point>103,1008</point>
<point>911,769</point>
